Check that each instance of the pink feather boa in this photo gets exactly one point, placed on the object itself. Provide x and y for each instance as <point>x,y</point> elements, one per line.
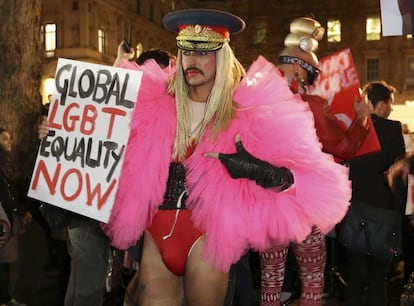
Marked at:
<point>236,214</point>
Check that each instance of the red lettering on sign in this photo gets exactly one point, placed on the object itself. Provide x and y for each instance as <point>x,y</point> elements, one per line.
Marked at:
<point>113,112</point>
<point>51,183</point>
<point>93,193</point>
<point>88,119</point>
<point>96,192</point>
<point>52,115</point>
<point>65,176</point>
<point>69,125</point>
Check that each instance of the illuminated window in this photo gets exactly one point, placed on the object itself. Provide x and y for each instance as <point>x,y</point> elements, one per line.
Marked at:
<point>101,40</point>
<point>373,28</point>
<point>261,31</point>
<point>333,30</point>
<point>47,89</point>
<point>372,69</point>
<point>410,72</point>
<point>49,39</point>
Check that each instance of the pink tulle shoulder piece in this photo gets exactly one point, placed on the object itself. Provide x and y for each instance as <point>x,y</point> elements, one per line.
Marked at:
<point>262,75</point>
<point>277,126</point>
<point>147,158</point>
<point>236,214</point>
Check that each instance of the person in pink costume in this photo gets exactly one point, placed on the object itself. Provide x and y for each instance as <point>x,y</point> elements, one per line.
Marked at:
<point>299,65</point>
<point>218,161</point>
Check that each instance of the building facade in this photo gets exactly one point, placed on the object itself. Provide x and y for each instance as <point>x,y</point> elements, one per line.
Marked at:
<point>90,30</point>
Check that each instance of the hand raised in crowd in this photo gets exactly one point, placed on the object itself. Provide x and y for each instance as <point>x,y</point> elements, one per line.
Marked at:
<point>122,54</point>
<point>401,169</point>
<point>362,110</point>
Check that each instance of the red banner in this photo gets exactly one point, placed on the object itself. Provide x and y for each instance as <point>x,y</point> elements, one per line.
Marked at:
<point>339,84</point>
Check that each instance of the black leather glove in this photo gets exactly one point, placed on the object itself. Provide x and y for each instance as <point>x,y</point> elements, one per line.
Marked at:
<point>243,165</point>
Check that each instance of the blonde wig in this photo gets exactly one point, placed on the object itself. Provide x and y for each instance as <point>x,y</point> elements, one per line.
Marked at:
<point>219,105</point>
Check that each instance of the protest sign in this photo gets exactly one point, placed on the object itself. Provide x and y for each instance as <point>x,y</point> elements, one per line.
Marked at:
<point>338,83</point>
<point>79,163</point>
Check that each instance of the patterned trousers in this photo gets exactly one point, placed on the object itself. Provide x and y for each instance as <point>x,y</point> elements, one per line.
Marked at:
<point>311,257</point>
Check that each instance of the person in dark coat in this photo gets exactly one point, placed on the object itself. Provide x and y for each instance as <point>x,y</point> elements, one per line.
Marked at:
<point>369,186</point>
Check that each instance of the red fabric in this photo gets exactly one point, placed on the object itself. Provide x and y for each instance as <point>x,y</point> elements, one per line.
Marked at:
<point>223,31</point>
<point>341,144</point>
<point>176,248</point>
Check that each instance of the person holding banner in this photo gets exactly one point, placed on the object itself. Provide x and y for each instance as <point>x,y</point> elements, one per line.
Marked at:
<point>207,167</point>
<point>299,64</point>
<point>88,245</point>
<point>89,250</point>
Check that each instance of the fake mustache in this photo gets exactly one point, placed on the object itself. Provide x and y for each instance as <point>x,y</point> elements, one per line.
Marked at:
<point>193,69</point>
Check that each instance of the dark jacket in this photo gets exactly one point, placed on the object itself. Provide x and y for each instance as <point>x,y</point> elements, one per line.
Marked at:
<point>9,198</point>
<point>367,172</point>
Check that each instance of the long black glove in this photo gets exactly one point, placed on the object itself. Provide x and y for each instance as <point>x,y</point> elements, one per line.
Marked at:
<point>243,165</point>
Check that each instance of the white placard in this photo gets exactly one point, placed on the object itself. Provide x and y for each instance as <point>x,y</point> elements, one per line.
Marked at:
<point>79,163</point>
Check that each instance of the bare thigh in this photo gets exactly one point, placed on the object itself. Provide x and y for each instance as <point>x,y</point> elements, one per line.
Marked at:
<point>157,285</point>
<point>203,285</point>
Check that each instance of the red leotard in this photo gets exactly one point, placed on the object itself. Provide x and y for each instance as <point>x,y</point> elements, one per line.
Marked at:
<point>174,233</point>
<point>176,247</point>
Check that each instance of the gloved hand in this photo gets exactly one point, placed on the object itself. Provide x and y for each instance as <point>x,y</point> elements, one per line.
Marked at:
<point>243,165</point>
